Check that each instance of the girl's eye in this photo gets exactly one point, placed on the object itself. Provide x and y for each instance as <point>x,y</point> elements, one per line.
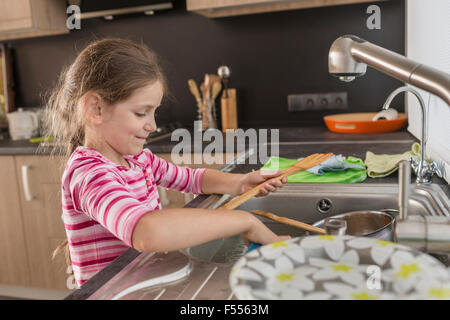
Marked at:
<point>140,114</point>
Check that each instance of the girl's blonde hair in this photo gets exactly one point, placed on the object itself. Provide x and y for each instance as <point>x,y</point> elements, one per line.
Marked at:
<point>114,69</point>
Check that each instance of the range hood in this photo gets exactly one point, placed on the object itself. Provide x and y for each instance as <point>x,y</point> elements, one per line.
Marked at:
<point>110,8</point>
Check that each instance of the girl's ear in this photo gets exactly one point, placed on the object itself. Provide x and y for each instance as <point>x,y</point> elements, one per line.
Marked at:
<point>91,105</point>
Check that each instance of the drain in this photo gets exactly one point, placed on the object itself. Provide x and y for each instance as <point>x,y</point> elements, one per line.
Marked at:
<point>324,205</point>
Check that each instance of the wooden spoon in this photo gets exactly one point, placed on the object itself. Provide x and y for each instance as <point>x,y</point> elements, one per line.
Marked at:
<point>288,221</point>
<point>208,102</point>
<point>194,90</point>
<point>215,78</point>
<point>203,108</point>
<point>216,87</point>
<point>302,165</point>
<point>208,84</point>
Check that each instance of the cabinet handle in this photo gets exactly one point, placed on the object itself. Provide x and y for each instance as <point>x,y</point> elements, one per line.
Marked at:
<point>26,186</point>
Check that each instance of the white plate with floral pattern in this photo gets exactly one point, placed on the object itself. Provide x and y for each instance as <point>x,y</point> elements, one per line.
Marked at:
<point>338,267</point>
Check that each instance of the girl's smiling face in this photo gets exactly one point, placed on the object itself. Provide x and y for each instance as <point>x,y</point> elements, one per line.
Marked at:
<point>127,124</point>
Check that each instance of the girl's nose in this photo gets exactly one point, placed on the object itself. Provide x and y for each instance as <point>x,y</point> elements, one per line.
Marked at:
<point>150,126</point>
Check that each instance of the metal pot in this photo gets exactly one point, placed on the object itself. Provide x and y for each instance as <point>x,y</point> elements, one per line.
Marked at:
<point>365,223</point>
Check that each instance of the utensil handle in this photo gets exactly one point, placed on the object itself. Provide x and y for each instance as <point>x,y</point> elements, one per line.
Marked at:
<point>288,221</point>
<point>301,165</point>
<point>26,186</point>
<point>253,246</point>
<point>236,202</point>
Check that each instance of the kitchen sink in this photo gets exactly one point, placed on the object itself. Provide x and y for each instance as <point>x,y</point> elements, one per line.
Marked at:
<point>202,272</point>
<point>310,203</point>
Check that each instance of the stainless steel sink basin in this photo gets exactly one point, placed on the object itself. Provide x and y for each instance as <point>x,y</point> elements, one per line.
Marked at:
<point>204,275</point>
<point>313,202</point>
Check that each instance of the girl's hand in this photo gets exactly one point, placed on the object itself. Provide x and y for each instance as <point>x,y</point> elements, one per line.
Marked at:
<point>252,179</point>
<point>259,233</point>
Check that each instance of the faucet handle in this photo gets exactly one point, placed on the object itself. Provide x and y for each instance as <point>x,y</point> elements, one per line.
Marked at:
<point>414,161</point>
<point>436,168</point>
<point>425,173</point>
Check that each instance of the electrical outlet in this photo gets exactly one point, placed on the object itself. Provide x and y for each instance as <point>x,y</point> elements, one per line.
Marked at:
<point>317,101</point>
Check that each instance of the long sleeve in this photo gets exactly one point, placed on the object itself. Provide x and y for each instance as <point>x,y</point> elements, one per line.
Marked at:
<point>105,198</point>
<point>171,176</point>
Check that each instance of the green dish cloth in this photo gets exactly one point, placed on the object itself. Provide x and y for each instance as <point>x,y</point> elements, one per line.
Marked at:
<point>382,165</point>
<point>351,175</point>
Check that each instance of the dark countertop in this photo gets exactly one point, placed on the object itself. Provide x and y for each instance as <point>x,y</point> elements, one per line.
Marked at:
<point>286,136</point>
<point>293,143</point>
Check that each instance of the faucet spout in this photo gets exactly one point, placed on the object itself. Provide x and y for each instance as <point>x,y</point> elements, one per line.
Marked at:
<point>350,55</point>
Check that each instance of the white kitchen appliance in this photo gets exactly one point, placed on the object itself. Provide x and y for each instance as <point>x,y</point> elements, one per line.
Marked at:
<point>22,124</point>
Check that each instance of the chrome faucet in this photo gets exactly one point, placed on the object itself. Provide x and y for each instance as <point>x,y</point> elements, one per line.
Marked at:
<point>348,58</point>
<point>423,168</point>
<point>422,232</point>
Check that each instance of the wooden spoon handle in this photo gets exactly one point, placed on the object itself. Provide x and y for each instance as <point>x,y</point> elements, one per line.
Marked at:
<point>288,221</point>
<point>236,202</point>
<point>301,165</point>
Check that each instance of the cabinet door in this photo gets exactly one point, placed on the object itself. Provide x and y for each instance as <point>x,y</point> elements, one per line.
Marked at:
<point>14,268</point>
<point>15,15</point>
<point>32,18</point>
<point>175,199</point>
<point>40,194</point>
<point>227,8</point>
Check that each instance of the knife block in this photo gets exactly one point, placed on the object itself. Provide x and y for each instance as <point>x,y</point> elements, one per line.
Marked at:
<point>228,110</point>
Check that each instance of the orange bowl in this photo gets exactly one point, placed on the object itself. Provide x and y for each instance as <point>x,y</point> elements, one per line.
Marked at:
<point>362,123</point>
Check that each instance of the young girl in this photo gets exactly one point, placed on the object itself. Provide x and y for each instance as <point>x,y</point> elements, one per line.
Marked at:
<point>102,111</point>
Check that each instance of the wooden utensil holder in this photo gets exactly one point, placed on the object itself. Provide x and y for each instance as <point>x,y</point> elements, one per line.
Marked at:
<point>229,110</point>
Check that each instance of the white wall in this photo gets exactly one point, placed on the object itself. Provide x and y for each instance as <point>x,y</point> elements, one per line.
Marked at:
<point>428,42</point>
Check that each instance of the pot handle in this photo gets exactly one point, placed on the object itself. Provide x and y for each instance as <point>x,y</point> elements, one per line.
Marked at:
<point>392,212</point>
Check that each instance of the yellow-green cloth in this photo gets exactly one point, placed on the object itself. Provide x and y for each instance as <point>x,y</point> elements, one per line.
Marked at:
<point>351,175</point>
<point>382,165</point>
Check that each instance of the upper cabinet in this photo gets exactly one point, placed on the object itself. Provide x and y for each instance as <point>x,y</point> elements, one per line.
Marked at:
<point>32,18</point>
<point>226,8</point>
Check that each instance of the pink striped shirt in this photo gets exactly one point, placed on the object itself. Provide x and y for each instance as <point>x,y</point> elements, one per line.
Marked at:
<point>102,202</point>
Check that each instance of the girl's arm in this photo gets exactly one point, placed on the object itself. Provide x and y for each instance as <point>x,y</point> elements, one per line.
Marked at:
<point>214,181</point>
<point>174,229</point>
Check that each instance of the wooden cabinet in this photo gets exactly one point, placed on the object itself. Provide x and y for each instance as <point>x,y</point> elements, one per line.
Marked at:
<point>14,266</point>
<point>32,18</point>
<point>226,8</point>
<point>30,222</point>
<point>40,197</point>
